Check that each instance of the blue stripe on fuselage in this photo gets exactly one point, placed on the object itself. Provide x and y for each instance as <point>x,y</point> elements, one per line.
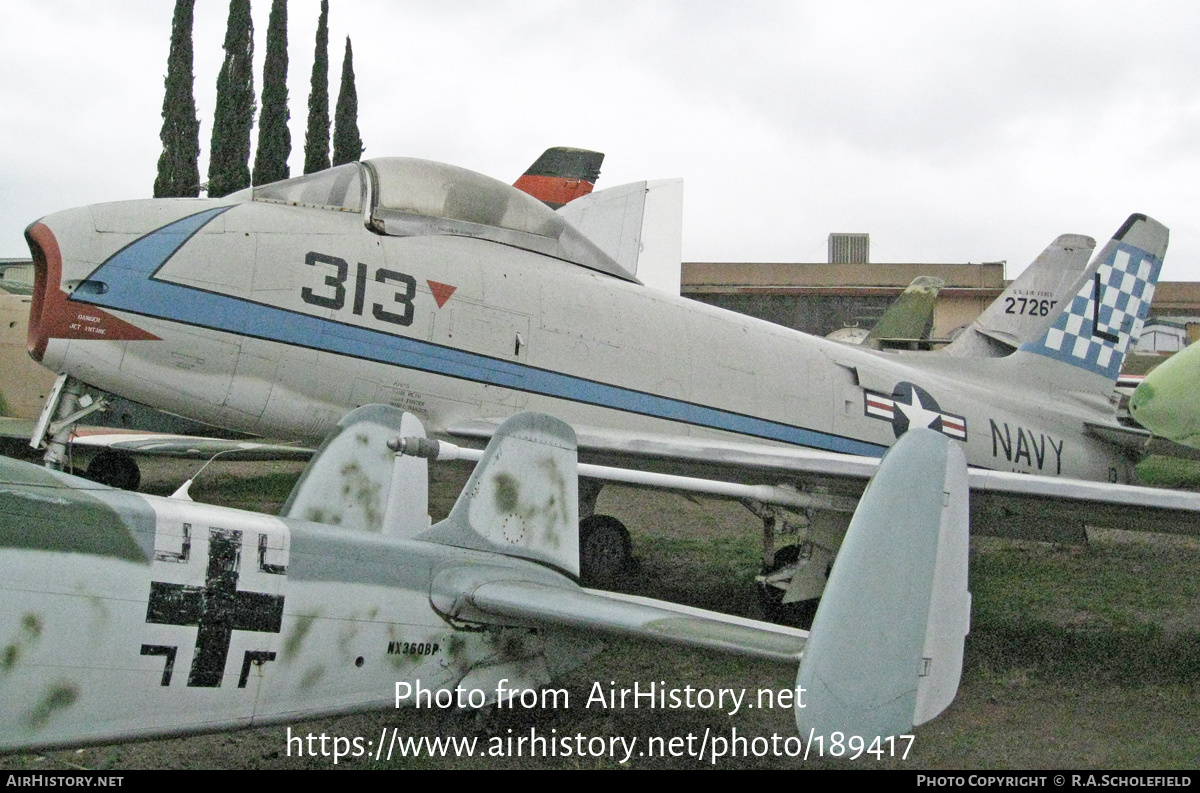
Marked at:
<point>132,287</point>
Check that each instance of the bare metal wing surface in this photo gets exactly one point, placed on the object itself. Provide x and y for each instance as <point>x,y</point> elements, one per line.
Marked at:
<point>1006,503</point>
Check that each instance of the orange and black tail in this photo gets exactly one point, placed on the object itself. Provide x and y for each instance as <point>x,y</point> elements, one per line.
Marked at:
<point>561,175</point>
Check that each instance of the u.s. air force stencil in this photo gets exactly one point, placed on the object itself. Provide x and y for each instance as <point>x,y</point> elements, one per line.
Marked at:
<point>909,405</point>
<point>227,586</point>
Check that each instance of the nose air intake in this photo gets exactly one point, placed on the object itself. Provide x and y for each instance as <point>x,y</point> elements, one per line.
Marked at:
<point>47,269</point>
<point>68,310</point>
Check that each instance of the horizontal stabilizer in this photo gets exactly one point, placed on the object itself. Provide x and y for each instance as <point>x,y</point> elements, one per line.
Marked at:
<point>522,498</point>
<point>886,647</point>
<point>1142,441</point>
<point>481,594</point>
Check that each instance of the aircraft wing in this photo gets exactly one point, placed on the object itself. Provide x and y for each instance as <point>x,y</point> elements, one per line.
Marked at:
<point>1142,441</point>
<point>1007,504</point>
<point>151,443</point>
<point>481,594</point>
<point>161,445</point>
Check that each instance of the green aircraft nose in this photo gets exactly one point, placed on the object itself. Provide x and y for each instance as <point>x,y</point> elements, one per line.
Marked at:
<point>1168,401</point>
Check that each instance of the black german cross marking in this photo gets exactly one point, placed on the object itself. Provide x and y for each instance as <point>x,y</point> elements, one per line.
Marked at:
<point>217,609</point>
<point>165,650</point>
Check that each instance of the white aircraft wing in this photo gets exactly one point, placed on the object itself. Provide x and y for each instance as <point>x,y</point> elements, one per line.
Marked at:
<point>186,445</point>
<point>479,594</point>
<point>1003,503</point>
<point>158,444</point>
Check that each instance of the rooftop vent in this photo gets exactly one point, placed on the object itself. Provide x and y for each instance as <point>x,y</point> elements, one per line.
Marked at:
<point>849,248</point>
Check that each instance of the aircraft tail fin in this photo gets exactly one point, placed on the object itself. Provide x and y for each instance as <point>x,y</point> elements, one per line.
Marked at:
<point>356,482</point>
<point>1023,310</point>
<point>908,316</point>
<point>1083,348</point>
<point>522,498</point>
<point>640,225</point>
<point>886,646</point>
<point>561,175</point>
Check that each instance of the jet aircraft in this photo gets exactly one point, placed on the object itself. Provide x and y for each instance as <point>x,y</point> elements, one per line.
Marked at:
<point>464,301</point>
<point>131,616</point>
<point>559,175</point>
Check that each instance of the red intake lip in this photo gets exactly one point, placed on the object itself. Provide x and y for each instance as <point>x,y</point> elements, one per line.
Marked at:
<point>47,268</point>
<point>52,315</point>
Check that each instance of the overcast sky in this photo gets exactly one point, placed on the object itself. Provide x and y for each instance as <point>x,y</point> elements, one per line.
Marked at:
<point>951,132</point>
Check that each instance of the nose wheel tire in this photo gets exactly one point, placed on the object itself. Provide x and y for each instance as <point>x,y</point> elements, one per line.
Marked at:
<point>604,550</point>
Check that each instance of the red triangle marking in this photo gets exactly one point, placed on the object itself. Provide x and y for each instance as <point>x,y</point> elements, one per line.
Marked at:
<point>441,292</point>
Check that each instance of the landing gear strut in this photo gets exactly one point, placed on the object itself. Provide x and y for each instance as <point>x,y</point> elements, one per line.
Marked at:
<point>793,577</point>
<point>68,403</point>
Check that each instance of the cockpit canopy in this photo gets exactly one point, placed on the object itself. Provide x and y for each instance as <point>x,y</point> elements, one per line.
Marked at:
<point>408,197</point>
<point>339,188</point>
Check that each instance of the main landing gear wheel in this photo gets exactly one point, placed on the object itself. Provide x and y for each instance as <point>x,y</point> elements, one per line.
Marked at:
<point>799,614</point>
<point>115,469</point>
<point>604,550</point>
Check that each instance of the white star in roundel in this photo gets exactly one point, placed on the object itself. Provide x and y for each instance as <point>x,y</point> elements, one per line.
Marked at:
<point>916,413</point>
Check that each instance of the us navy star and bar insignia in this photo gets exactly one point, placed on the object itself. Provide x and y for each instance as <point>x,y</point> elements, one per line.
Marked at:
<point>909,405</point>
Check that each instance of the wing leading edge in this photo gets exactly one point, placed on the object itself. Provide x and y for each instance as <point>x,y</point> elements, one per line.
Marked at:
<point>1025,506</point>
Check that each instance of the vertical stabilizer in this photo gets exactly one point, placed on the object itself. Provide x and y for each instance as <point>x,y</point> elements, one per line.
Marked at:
<point>561,175</point>
<point>886,646</point>
<point>1103,316</point>
<point>356,482</point>
<point>909,315</point>
<point>1029,304</point>
<point>522,498</point>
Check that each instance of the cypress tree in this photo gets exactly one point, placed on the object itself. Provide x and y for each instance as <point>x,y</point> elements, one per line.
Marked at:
<point>178,172</point>
<point>274,139</point>
<point>229,159</point>
<point>347,145</point>
<point>316,141</point>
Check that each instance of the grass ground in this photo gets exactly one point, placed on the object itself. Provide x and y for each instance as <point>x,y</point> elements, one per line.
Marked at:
<point>1078,657</point>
